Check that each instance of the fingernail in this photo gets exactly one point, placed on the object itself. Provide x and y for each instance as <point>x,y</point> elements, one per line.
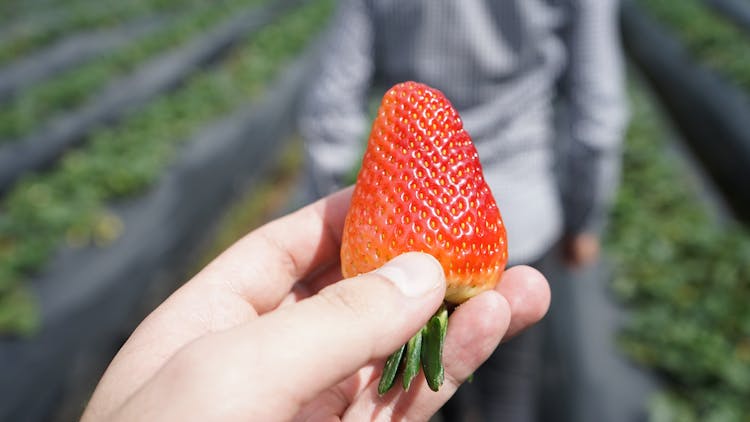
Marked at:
<point>413,273</point>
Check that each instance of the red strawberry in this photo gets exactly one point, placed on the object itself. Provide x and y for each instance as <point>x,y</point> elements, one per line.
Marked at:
<point>421,188</point>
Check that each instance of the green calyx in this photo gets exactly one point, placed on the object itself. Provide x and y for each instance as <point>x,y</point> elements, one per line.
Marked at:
<point>424,350</point>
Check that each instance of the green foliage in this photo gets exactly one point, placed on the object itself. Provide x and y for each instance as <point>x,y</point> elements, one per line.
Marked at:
<point>691,285</point>
<point>18,312</point>
<point>69,203</point>
<point>74,16</point>
<point>686,279</point>
<point>72,88</point>
<point>708,36</point>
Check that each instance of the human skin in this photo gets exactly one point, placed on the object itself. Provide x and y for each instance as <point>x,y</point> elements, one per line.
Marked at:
<point>269,331</point>
<point>581,250</point>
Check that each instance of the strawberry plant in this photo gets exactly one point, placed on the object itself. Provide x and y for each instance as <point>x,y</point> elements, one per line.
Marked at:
<point>421,188</point>
<point>72,88</point>
<point>27,35</point>
<point>684,276</point>
<point>708,36</point>
<point>68,205</point>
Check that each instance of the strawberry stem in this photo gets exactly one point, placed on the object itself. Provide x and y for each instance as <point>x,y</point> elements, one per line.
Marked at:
<point>412,360</point>
<point>424,349</point>
<point>432,348</point>
<point>390,370</point>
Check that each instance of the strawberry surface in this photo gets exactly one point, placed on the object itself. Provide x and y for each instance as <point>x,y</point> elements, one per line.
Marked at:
<point>421,188</point>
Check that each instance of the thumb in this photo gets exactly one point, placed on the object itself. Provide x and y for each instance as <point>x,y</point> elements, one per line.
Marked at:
<point>287,357</point>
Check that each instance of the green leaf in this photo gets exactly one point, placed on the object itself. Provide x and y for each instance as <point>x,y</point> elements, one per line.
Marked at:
<point>412,360</point>
<point>390,370</point>
<point>432,348</point>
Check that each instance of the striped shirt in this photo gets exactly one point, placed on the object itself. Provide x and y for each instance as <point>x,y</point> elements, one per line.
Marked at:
<point>508,66</point>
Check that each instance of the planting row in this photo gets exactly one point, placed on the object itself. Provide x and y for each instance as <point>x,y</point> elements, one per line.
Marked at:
<point>708,35</point>
<point>72,88</point>
<point>737,11</point>
<point>129,93</point>
<point>20,10</point>
<point>67,206</point>
<point>709,109</point>
<point>70,52</point>
<point>22,36</point>
<point>685,277</point>
<point>91,298</point>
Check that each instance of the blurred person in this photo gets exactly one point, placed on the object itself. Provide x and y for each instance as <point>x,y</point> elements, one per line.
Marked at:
<point>539,86</point>
<point>267,332</point>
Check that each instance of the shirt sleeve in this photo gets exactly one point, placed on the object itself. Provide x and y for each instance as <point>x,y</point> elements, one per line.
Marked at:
<point>596,114</point>
<point>333,115</point>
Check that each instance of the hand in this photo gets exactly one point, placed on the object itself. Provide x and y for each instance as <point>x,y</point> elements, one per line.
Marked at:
<point>581,250</point>
<point>267,332</point>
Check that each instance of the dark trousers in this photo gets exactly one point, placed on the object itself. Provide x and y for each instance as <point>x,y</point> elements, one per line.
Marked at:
<point>506,387</point>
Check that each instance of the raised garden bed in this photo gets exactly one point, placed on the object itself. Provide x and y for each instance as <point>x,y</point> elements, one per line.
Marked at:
<point>73,88</point>
<point>68,53</point>
<point>737,11</point>
<point>24,34</point>
<point>92,297</point>
<point>682,272</point>
<point>684,279</point>
<point>125,96</point>
<point>709,37</point>
<point>711,111</point>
